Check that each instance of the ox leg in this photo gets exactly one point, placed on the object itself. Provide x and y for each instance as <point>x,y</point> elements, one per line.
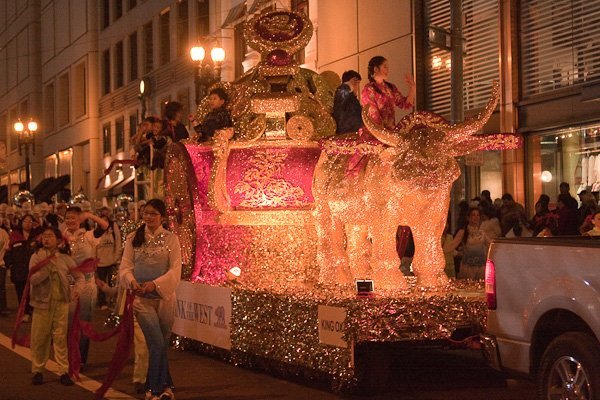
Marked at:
<point>358,250</point>
<point>331,257</point>
<point>428,262</point>
<point>384,260</point>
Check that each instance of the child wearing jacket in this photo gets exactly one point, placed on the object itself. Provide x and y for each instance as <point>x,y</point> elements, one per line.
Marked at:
<point>50,297</point>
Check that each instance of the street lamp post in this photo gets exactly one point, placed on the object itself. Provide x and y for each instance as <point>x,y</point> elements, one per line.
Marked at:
<point>206,73</point>
<point>26,137</point>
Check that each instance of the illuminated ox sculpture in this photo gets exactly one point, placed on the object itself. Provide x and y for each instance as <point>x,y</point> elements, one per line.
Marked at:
<point>405,178</point>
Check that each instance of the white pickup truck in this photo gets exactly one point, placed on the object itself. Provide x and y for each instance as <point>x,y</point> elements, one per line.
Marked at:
<point>544,313</point>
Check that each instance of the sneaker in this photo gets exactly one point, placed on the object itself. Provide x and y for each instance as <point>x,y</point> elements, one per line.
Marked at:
<point>167,395</point>
<point>139,387</point>
<point>26,318</point>
<point>65,380</point>
<point>37,379</point>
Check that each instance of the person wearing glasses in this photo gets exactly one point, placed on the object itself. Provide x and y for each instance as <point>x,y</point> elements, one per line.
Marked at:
<point>151,267</point>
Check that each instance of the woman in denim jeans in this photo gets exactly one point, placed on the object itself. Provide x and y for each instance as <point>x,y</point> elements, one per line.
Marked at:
<point>151,266</point>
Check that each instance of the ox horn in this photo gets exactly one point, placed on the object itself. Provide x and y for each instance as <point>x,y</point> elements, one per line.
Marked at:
<point>382,134</point>
<point>474,124</point>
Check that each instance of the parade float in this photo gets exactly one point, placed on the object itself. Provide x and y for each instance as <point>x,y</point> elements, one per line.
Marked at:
<point>275,231</point>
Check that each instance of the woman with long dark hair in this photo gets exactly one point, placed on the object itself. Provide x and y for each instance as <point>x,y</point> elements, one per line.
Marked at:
<point>151,266</point>
<point>474,243</point>
<point>383,96</point>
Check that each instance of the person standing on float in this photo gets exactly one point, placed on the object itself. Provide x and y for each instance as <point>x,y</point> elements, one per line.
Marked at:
<point>383,97</point>
<point>151,266</point>
<point>82,244</point>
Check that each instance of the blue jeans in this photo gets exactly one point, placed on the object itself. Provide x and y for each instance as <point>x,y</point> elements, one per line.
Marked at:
<point>155,317</point>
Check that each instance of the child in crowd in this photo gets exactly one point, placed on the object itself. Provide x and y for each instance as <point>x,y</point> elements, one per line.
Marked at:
<point>50,297</point>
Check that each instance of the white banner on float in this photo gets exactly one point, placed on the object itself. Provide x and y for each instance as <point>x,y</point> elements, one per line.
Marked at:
<point>331,325</point>
<point>203,313</point>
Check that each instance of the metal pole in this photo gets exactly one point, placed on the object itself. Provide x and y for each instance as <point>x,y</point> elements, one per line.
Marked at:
<point>456,86</point>
<point>456,77</point>
<point>197,82</point>
<point>27,172</point>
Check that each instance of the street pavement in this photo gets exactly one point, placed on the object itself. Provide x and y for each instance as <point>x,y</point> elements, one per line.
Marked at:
<point>424,374</point>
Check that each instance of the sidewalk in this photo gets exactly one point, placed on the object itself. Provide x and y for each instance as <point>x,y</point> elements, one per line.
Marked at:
<point>195,376</point>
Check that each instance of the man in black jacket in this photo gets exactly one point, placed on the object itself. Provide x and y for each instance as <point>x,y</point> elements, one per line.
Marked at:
<point>346,107</point>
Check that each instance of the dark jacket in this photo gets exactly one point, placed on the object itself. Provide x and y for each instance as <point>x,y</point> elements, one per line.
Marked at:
<point>346,110</point>
<point>18,255</point>
<point>214,120</point>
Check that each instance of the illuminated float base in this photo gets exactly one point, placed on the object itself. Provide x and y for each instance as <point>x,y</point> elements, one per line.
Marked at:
<point>315,335</point>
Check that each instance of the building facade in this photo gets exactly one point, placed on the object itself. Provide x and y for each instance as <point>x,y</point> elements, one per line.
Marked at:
<point>76,66</point>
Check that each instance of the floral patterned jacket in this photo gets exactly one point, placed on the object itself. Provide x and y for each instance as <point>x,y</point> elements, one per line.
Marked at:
<point>383,97</point>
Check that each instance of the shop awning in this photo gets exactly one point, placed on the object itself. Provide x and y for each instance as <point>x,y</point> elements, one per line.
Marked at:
<point>118,185</point>
<point>125,186</point>
<point>258,5</point>
<point>40,187</point>
<point>4,194</point>
<point>53,188</point>
<point>235,14</point>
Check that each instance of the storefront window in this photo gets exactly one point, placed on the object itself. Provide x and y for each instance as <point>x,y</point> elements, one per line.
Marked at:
<point>568,155</point>
<point>491,173</point>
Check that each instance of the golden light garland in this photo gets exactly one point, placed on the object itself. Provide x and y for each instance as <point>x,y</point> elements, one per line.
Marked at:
<point>277,328</point>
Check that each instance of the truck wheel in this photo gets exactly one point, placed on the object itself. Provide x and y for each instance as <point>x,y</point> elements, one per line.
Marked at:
<point>570,368</point>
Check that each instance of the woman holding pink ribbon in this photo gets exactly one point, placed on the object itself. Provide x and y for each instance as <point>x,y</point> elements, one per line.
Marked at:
<point>82,244</point>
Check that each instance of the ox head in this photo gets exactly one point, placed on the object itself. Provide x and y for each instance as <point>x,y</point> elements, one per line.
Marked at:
<point>424,144</point>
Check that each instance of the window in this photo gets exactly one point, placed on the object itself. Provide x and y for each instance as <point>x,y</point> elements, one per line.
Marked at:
<point>560,44</point>
<point>13,115</point>
<point>118,9</point>
<point>63,100</point>
<point>202,28</point>
<point>480,63</point>
<point>183,97</point>
<point>119,75</point>
<point>133,123</point>
<point>106,71</point>
<point>105,13</point>
<point>50,165</point>
<point>148,54</point>
<point>165,38</point>
<point>133,57</point>
<point>79,91</point>
<point>182,28</point>
<point>49,108</point>
<point>24,109</point>
<point>106,136</point>
<point>120,133</point>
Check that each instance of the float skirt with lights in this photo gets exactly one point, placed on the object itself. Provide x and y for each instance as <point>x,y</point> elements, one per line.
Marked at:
<point>275,315</point>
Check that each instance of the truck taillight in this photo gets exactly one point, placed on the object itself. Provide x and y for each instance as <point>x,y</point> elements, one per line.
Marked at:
<point>490,284</point>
